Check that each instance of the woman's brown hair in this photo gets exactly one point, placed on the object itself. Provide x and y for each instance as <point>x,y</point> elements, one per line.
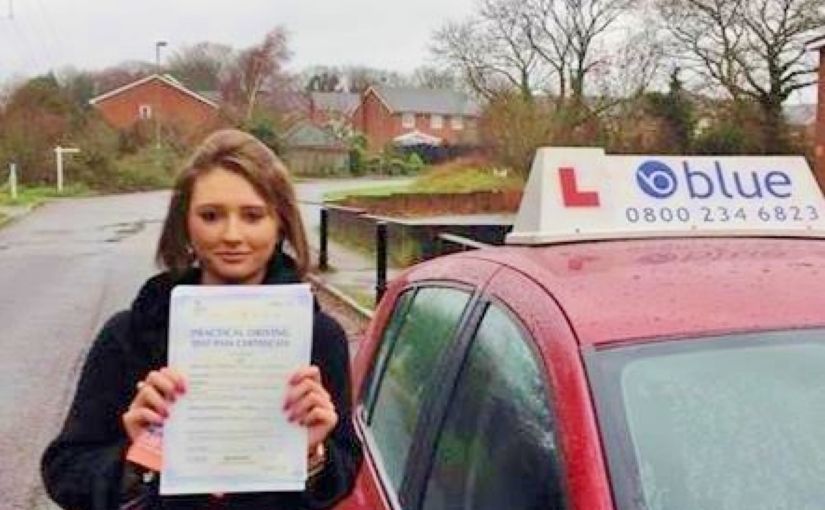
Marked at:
<point>248,157</point>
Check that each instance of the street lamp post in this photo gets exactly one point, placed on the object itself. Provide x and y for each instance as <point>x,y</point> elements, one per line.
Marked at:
<point>156,112</point>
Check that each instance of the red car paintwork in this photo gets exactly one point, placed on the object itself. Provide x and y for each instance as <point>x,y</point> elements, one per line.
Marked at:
<point>580,296</point>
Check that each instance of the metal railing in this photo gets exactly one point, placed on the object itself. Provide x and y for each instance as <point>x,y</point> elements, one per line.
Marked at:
<point>465,242</point>
<point>381,249</point>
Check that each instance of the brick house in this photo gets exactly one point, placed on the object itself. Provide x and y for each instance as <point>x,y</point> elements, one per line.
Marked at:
<point>331,107</point>
<point>156,97</point>
<point>386,113</point>
<point>818,44</point>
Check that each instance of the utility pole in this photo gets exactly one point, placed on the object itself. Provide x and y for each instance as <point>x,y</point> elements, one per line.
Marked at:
<point>58,153</point>
<point>156,113</point>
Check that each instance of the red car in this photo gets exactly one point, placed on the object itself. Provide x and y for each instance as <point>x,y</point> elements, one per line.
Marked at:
<point>663,373</point>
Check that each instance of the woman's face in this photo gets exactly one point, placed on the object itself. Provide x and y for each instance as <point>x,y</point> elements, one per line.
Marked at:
<point>232,229</point>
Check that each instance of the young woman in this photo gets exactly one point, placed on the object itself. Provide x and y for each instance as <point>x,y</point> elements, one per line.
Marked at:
<point>232,212</point>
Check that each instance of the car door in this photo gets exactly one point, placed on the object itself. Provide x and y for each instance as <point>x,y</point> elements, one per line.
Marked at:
<point>493,441</point>
<point>396,393</point>
<point>544,326</point>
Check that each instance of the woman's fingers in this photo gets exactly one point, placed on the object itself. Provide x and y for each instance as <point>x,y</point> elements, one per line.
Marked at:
<point>153,399</point>
<point>143,416</point>
<point>311,372</point>
<point>299,390</point>
<point>149,397</point>
<point>176,377</point>
<point>136,420</point>
<point>321,416</point>
<point>299,409</point>
<point>163,382</point>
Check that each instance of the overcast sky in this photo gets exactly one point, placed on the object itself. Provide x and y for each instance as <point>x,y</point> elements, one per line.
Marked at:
<point>93,34</point>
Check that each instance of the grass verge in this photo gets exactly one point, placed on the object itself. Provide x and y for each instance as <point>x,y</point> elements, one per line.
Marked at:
<point>357,294</point>
<point>34,195</point>
<point>460,176</point>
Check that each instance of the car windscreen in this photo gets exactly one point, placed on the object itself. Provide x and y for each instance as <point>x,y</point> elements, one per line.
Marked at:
<point>732,422</point>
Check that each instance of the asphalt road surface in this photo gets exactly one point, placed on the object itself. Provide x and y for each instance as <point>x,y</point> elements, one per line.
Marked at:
<point>64,269</point>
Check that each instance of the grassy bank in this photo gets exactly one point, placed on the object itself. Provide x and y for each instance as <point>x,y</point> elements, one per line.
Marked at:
<point>34,195</point>
<point>460,176</point>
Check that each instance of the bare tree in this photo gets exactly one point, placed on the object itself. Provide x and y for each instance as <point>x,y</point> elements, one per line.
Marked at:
<point>120,75</point>
<point>200,66</point>
<point>492,49</point>
<point>565,33</point>
<point>752,49</point>
<point>434,78</point>
<point>360,78</point>
<point>257,69</point>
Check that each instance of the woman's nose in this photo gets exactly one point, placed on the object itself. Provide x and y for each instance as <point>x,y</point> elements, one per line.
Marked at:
<point>232,232</point>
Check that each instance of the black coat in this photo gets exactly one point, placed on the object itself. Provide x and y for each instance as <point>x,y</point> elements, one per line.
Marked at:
<point>83,468</point>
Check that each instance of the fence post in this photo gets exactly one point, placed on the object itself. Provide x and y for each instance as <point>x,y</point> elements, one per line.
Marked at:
<point>13,180</point>
<point>323,255</point>
<point>381,260</point>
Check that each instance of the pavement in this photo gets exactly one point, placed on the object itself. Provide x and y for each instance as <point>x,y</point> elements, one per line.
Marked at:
<point>9,213</point>
<point>351,272</point>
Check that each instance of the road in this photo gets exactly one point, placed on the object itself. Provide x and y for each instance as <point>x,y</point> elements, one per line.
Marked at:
<point>63,270</point>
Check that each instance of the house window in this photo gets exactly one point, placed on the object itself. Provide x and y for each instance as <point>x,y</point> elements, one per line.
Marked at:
<point>457,123</point>
<point>145,112</point>
<point>408,120</point>
<point>436,121</point>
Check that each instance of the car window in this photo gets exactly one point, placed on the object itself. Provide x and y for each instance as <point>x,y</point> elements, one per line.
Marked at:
<point>733,422</point>
<point>389,335</point>
<point>497,448</point>
<point>424,332</point>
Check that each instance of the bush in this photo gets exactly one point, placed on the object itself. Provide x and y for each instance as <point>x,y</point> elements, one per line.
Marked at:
<point>266,126</point>
<point>357,161</point>
<point>149,169</point>
<point>722,139</point>
<point>415,163</point>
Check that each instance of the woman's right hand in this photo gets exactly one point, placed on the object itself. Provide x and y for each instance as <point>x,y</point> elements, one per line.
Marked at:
<point>151,404</point>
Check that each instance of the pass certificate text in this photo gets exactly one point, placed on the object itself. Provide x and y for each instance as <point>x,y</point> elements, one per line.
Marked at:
<point>237,346</point>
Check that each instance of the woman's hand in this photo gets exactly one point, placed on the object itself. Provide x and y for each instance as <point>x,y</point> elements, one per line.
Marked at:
<point>153,400</point>
<point>308,403</point>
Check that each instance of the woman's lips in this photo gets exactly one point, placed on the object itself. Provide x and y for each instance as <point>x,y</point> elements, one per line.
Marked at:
<point>232,257</point>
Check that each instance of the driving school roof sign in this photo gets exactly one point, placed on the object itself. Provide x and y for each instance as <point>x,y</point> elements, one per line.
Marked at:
<point>576,194</point>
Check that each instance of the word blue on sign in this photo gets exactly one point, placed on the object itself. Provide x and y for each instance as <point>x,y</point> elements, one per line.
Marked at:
<point>658,180</point>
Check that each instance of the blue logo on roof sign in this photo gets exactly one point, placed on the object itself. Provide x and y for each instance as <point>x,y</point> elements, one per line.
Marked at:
<point>658,180</point>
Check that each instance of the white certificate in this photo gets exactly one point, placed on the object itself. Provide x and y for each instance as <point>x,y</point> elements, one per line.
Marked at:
<point>237,347</point>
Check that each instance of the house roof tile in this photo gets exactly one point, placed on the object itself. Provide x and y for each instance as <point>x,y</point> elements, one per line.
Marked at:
<point>308,135</point>
<point>342,102</point>
<point>167,79</point>
<point>417,100</point>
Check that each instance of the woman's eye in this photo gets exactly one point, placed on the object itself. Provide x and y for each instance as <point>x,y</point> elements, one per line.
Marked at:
<point>208,216</point>
<point>253,216</point>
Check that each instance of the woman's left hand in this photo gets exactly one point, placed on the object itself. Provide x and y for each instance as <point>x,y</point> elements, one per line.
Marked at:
<point>308,403</point>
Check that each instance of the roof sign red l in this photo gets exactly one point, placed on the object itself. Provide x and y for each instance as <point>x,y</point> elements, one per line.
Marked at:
<point>571,194</point>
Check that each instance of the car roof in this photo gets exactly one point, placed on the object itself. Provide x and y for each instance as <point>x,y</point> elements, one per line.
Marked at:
<point>617,291</point>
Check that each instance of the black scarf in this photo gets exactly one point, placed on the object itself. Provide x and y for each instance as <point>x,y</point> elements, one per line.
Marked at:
<point>150,310</point>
